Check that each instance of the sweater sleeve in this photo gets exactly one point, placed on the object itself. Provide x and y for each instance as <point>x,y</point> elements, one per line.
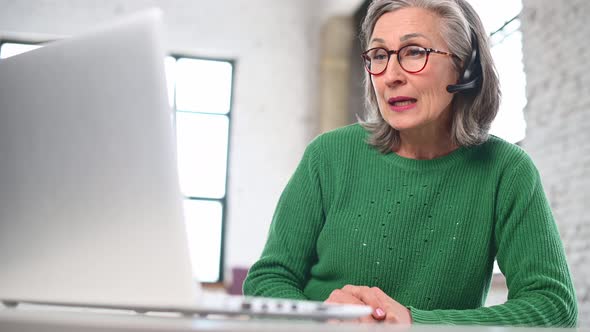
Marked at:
<point>284,266</point>
<point>530,255</point>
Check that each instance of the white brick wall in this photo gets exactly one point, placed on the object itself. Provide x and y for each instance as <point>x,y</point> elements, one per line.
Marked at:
<point>556,37</point>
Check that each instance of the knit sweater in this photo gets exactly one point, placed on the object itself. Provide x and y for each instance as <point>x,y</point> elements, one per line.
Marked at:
<point>426,232</point>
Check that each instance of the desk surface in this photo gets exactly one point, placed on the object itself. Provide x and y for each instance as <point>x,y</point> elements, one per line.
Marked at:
<point>37,318</point>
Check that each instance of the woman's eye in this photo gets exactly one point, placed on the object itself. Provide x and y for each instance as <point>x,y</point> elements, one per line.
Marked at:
<point>415,52</point>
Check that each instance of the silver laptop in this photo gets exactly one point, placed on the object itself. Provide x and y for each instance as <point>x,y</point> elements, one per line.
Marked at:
<point>90,207</point>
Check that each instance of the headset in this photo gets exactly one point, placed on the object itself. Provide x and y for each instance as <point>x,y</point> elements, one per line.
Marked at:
<point>471,78</point>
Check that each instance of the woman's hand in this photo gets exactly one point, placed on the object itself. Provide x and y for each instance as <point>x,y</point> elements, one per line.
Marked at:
<point>384,307</point>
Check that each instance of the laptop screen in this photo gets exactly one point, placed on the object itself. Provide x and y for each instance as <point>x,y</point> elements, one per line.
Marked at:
<point>90,209</point>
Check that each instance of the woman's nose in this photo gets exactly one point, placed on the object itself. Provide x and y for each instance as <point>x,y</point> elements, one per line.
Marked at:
<point>394,74</point>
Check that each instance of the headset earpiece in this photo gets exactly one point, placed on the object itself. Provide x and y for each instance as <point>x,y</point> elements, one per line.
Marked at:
<point>471,77</point>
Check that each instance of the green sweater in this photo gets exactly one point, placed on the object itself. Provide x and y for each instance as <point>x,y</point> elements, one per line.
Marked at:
<point>424,231</point>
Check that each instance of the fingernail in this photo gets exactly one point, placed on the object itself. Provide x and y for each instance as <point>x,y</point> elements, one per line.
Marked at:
<point>380,312</point>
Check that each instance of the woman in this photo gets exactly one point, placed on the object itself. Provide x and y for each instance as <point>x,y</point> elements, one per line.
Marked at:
<point>407,211</point>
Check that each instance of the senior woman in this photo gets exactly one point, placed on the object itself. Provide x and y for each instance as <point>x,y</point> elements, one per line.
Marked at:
<point>407,210</point>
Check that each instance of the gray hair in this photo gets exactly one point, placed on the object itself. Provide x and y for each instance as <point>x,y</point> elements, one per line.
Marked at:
<point>472,113</point>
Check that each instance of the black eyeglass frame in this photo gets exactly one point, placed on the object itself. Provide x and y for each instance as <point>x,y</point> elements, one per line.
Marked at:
<point>367,60</point>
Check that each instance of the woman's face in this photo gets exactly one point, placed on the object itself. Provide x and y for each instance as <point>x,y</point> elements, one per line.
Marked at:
<point>416,102</point>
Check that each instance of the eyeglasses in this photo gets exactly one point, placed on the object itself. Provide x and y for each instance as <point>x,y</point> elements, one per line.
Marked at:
<point>411,58</point>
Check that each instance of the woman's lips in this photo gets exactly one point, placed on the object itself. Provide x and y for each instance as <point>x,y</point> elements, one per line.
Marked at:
<point>402,103</point>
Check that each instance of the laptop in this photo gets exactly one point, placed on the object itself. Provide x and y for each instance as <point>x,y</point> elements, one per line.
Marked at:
<point>90,206</point>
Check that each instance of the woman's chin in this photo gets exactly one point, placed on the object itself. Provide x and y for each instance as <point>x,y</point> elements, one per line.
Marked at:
<point>402,126</point>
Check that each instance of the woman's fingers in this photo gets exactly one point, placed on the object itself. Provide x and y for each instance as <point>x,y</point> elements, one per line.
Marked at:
<point>384,307</point>
<point>346,296</point>
<point>394,311</point>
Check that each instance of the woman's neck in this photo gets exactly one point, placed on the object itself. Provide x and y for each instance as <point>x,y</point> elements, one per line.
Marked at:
<point>416,146</point>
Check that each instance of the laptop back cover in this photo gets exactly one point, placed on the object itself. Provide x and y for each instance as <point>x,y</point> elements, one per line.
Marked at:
<point>90,209</point>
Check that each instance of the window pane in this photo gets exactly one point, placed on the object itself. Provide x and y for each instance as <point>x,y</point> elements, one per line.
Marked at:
<point>491,15</point>
<point>170,64</point>
<point>203,85</point>
<point>203,225</point>
<point>11,49</point>
<point>202,153</point>
<point>509,123</point>
<point>507,52</point>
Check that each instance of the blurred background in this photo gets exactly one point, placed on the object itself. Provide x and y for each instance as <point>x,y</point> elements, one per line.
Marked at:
<point>252,82</point>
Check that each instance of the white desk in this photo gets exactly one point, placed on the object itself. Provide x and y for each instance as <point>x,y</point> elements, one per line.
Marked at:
<point>37,318</point>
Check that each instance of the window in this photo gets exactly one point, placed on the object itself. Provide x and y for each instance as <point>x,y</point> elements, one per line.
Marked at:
<point>8,49</point>
<point>200,92</point>
<point>506,46</point>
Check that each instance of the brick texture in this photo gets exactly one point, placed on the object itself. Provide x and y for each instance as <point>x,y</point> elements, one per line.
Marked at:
<point>557,62</point>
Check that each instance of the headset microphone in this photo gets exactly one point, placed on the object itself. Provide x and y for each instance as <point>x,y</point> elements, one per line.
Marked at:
<point>471,85</point>
<point>471,78</point>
